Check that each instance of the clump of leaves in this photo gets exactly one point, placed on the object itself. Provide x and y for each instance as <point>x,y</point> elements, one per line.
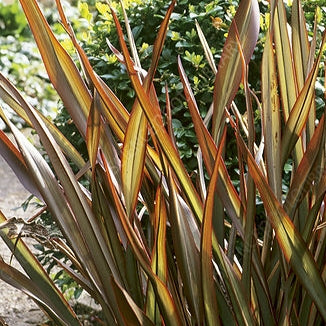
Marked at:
<point>148,243</point>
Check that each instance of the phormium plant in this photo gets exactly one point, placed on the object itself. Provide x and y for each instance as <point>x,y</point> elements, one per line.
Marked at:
<point>148,243</point>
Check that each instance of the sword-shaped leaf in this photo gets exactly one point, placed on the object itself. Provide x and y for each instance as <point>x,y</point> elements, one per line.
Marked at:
<point>66,204</point>
<point>154,117</point>
<point>16,162</point>
<point>133,157</point>
<point>285,66</point>
<point>271,117</point>
<point>61,69</point>
<point>113,110</point>
<point>207,277</point>
<point>228,77</point>
<point>303,177</point>
<point>134,146</point>
<point>300,43</point>
<point>186,250</point>
<point>11,96</point>
<point>169,311</point>
<point>40,294</point>
<point>159,258</point>
<point>37,282</point>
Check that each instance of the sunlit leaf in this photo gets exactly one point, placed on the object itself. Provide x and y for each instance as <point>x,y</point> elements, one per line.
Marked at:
<point>271,117</point>
<point>154,117</point>
<point>286,74</point>
<point>208,52</point>
<point>134,148</point>
<point>300,44</point>
<point>272,131</point>
<point>61,69</point>
<point>228,77</point>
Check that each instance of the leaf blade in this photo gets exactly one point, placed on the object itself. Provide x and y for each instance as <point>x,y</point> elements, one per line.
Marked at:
<point>228,77</point>
<point>61,69</point>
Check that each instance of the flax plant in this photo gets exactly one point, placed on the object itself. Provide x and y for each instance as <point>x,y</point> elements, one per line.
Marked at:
<point>149,244</point>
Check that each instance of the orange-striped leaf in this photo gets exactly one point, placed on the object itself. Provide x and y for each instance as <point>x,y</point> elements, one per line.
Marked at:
<point>61,69</point>
<point>228,77</point>
<point>134,148</point>
<point>154,117</point>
